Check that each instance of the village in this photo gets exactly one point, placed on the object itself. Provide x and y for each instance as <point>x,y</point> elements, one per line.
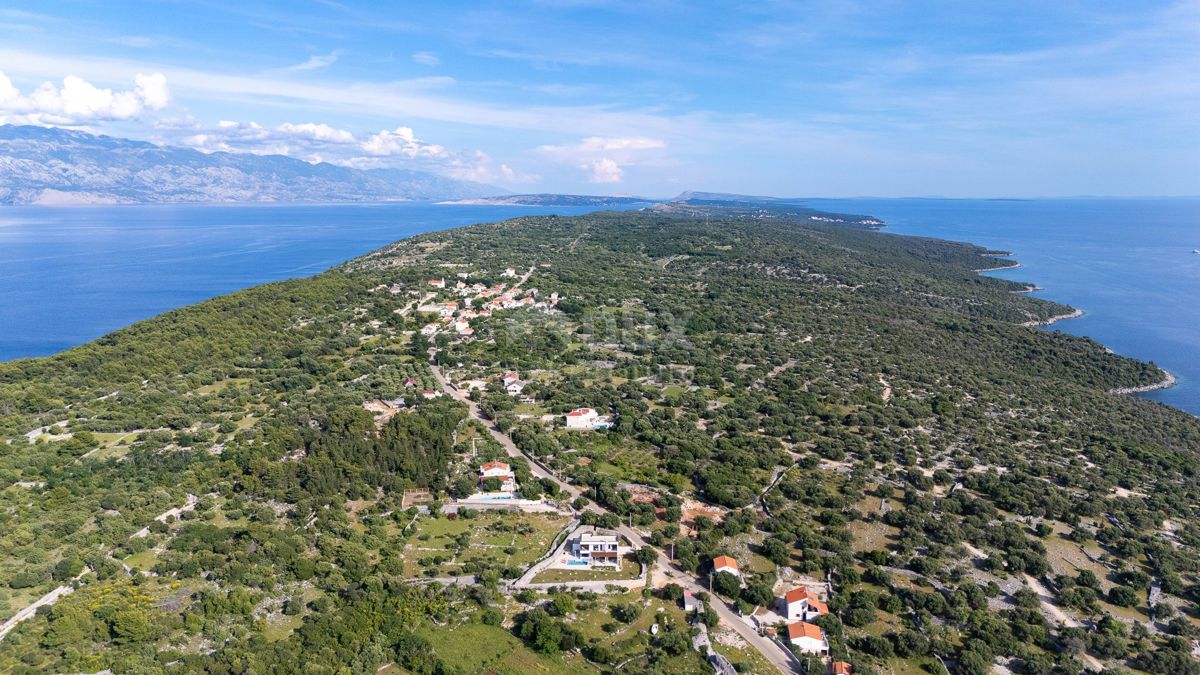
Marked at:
<point>580,556</point>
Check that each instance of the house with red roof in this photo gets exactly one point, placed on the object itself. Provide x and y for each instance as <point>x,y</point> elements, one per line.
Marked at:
<point>500,471</point>
<point>841,668</point>
<point>807,637</point>
<point>724,563</point>
<point>582,418</point>
<point>799,604</point>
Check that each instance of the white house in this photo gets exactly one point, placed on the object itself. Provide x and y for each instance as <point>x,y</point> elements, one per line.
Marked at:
<point>724,563</point>
<point>582,418</point>
<point>514,388</point>
<point>509,272</point>
<point>463,328</point>
<point>800,605</point>
<point>429,329</point>
<point>428,394</point>
<point>597,549</point>
<point>500,471</point>
<point>807,637</point>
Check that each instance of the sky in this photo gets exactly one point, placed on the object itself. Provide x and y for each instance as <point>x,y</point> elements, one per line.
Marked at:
<point>649,97</point>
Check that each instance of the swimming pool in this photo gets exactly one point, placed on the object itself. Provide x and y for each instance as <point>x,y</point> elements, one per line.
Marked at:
<point>491,497</point>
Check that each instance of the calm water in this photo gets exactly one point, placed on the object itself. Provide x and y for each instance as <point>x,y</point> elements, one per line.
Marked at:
<point>72,274</point>
<point>69,275</point>
<point>1127,263</point>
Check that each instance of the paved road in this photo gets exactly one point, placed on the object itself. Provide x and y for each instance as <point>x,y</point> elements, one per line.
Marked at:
<point>774,652</point>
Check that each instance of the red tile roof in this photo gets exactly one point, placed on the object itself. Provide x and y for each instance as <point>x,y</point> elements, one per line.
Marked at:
<point>724,561</point>
<point>842,668</point>
<point>797,595</point>
<point>804,629</point>
<point>494,465</point>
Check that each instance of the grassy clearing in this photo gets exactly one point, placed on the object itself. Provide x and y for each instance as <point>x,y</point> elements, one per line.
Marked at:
<point>630,640</point>
<point>872,536</point>
<point>144,560</point>
<point>747,660</point>
<point>479,648</point>
<point>493,538</point>
<point>280,627</point>
<point>629,569</point>
<point>221,384</point>
<point>1065,557</point>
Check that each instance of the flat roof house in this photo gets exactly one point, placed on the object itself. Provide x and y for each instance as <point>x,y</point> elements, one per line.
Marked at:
<point>596,548</point>
<point>690,604</point>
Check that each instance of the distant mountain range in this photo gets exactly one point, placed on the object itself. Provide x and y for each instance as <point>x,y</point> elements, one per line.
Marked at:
<point>40,165</point>
<point>550,199</point>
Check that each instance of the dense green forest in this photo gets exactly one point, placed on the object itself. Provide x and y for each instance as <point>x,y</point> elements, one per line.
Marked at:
<point>850,406</point>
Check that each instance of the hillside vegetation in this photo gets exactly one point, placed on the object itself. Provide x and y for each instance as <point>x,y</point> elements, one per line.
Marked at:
<point>850,406</point>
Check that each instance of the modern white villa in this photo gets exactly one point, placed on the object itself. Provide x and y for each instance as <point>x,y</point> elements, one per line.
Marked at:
<point>596,549</point>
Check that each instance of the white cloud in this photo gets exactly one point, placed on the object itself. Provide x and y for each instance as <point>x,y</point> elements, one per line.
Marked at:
<point>319,132</point>
<point>305,140</point>
<point>79,101</point>
<point>408,99</point>
<point>426,58</point>
<point>153,90</point>
<point>481,168</point>
<point>606,144</point>
<point>317,62</point>
<point>603,158</point>
<point>401,142</point>
<point>603,170</point>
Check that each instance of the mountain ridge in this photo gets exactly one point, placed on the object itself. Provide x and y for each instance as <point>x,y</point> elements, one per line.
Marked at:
<point>47,165</point>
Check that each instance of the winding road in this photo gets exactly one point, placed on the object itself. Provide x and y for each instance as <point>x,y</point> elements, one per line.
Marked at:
<point>773,651</point>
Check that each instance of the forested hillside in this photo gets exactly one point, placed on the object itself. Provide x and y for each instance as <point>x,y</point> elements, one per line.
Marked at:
<point>843,405</point>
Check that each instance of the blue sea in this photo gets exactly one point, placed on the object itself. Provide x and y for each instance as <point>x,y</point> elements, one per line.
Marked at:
<point>68,275</point>
<point>1127,263</point>
<point>71,274</point>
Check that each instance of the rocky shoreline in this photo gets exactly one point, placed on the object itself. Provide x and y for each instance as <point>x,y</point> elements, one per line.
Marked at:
<point>1013,266</point>
<point>1074,314</point>
<point>1167,382</point>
